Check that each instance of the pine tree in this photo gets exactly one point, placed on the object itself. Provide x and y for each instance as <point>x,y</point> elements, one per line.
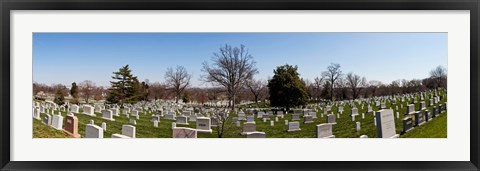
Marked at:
<point>59,97</point>
<point>74,90</point>
<point>124,87</point>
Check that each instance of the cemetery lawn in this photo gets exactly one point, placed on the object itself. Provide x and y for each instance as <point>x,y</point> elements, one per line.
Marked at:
<point>436,128</point>
<point>41,130</point>
<point>345,127</point>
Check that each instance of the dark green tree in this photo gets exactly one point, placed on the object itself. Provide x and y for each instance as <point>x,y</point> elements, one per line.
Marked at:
<point>125,87</point>
<point>286,88</point>
<point>59,97</point>
<point>74,90</point>
<point>186,97</point>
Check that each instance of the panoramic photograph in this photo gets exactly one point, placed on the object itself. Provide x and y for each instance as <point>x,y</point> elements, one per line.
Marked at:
<point>239,85</point>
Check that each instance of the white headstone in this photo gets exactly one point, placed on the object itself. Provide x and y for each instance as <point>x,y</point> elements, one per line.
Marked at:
<point>204,125</point>
<point>325,131</point>
<point>88,110</point>
<point>128,130</point>
<point>293,126</point>
<point>57,122</point>
<point>93,131</point>
<point>104,126</point>
<point>385,124</point>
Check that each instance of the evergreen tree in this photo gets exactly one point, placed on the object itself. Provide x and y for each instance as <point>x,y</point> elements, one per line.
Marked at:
<point>74,90</point>
<point>59,97</point>
<point>124,88</point>
<point>186,97</point>
<point>286,88</point>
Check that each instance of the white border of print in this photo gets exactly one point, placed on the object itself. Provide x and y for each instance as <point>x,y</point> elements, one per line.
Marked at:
<point>454,148</point>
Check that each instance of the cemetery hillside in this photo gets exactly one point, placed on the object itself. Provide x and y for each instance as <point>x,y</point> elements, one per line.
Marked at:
<point>233,101</point>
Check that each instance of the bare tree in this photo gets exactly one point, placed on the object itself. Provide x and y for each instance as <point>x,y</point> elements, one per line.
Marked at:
<point>332,74</point>
<point>177,80</point>
<point>355,83</point>
<point>87,89</point>
<point>439,74</point>
<point>256,87</point>
<point>231,68</point>
<point>222,116</point>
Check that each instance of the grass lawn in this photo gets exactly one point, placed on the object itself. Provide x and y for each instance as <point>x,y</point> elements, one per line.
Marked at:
<point>436,128</point>
<point>345,128</point>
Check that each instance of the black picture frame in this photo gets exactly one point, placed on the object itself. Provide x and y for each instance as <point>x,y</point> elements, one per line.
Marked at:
<point>9,5</point>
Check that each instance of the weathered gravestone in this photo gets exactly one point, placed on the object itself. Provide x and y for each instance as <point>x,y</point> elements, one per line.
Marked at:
<point>313,114</point>
<point>250,118</point>
<point>93,131</point>
<point>293,126</point>
<point>36,113</point>
<point>115,111</point>
<point>104,126</point>
<point>307,119</point>
<point>128,131</point>
<point>357,126</point>
<point>421,106</point>
<point>354,111</point>
<point>295,117</point>
<point>180,132</point>
<point>181,120</point>
<point>385,123</point>
<point>325,131</point>
<point>256,134</point>
<point>155,118</point>
<point>410,109</point>
<point>88,110</point>
<point>280,113</point>
<point>248,127</point>
<point>203,125</point>
<point>170,116</point>
<point>74,109</point>
<point>331,119</point>
<point>108,115</point>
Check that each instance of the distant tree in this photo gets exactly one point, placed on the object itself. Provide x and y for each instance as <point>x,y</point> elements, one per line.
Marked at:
<point>286,88</point>
<point>74,90</point>
<point>332,74</point>
<point>177,80</point>
<point>231,68</point>
<point>439,75</point>
<point>98,93</point>
<point>123,88</point>
<point>144,91</point>
<point>356,84</point>
<point>86,89</point>
<point>256,87</point>
<point>186,97</point>
<point>373,86</point>
<point>59,97</point>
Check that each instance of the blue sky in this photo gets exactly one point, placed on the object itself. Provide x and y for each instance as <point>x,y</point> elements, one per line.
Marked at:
<point>74,57</point>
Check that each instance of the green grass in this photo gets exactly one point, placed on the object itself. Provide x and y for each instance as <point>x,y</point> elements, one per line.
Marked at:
<point>436,128</point>
<point>41,130</point>
<point>344,128</point>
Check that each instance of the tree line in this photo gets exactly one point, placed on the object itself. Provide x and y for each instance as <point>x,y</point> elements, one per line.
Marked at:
<point>230,73</point>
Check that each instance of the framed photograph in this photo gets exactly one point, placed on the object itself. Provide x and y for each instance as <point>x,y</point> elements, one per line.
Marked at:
<point>264,85</point>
